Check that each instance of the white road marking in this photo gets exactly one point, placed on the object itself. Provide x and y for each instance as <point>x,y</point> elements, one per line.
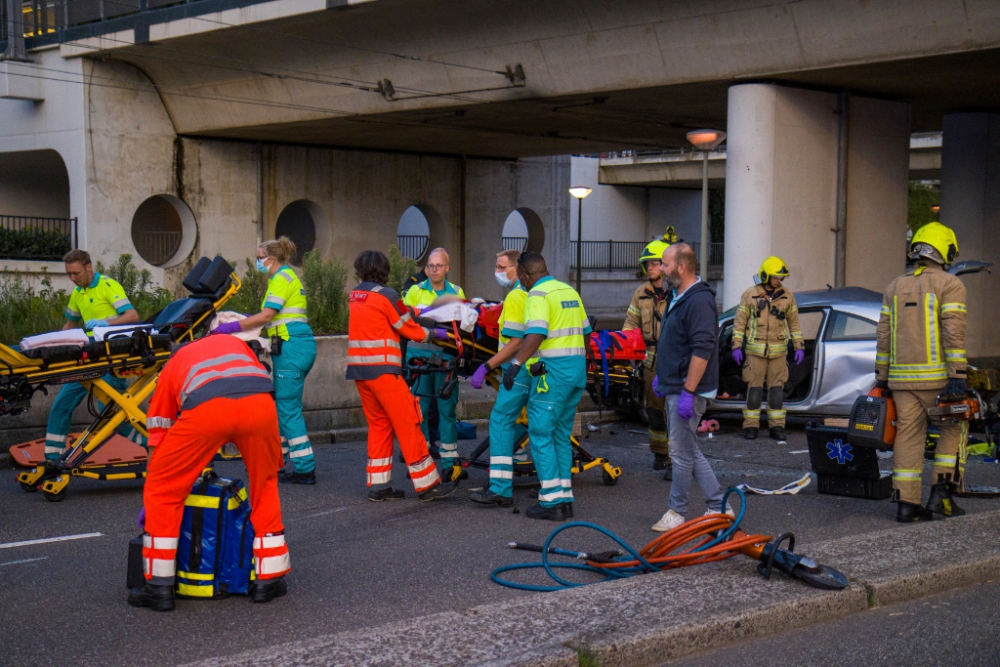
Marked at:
<point>799,451</point>
<point>26,560</point>
<point>64,538</point>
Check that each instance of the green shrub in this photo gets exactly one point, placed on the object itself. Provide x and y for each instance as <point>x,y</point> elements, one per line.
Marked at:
<point>325,282</point>
<point>146,298</point>
<point>34,243</point>
<point>921,199</point>
<point>251,294</point>
<point>400,268</point>
<point>26,312</point>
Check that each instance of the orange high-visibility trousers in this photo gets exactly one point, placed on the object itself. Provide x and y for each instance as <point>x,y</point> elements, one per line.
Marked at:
<point>251,423</point>
<point>391,410</point>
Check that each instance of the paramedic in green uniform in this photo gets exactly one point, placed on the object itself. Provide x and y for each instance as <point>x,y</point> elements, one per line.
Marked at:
<point>510,402</point>
<point>97,301</point>
<point>555,327</point>
<point>283,317</point>
<point>422,295</point>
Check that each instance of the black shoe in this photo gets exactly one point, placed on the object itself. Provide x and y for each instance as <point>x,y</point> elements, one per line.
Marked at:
<point>489,498</point>
<point>668,474</point>
<point>661,461</point>
<point>453,473</point>
<point>298,478</point>
<point>778,433</point>
<point>157,598</point>
<point>750,433</point>
<point>941,500</point>
<point>265,590</point>
<point>438,491</point>
<point>533,493</point>
<point>559,512</point>
<point>910,513</point>
<point>387,493</point>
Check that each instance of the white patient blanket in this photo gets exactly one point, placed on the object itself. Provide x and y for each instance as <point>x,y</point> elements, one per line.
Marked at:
<point>463,313</point>
<point>54,338</point>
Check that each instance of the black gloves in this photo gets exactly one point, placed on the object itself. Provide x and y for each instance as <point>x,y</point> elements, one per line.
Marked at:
<point>882,384</point>
<point>955,390</point>
<point>509,374</point>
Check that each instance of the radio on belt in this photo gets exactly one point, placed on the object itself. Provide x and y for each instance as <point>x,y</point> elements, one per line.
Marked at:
<point>873,420</point>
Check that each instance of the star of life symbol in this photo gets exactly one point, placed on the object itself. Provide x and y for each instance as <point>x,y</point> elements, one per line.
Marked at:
<point>839,451</point>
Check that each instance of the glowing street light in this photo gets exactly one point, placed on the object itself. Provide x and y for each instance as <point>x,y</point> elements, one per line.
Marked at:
<point>579,191</point>
<point>705,141</point>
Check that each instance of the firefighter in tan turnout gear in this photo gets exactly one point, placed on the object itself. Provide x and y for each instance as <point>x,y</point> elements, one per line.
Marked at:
<point>921,356</point>
<point>766,320</point>
<point>644,313</point>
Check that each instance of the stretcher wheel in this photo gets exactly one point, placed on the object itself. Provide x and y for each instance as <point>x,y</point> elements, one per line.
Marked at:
<point>55,497</point>
<point>608,479</point>
<point>28,488</point>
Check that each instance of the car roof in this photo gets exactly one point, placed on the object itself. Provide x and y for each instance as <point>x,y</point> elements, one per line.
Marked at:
<point>854,300</point>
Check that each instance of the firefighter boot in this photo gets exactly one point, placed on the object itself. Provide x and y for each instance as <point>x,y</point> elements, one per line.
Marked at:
<point>750,433</point>
<point>941,500</point>
<point>778,433</point>
<point>265,590</point>
<point>911,512</point>
<point>157,598</point>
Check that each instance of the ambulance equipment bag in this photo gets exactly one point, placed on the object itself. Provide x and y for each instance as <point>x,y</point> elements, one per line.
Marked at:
<point>215,549</point>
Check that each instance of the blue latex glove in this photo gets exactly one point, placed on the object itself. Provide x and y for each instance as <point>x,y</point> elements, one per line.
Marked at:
<point>479,376</point>
<point>656,387</point>
<point>92,324</point>
<point>141,520</point>
<point>738,355</point>
<point>685,406</point>
<point>441,334</point>
<point>800,356</point>
<point>227,328</point>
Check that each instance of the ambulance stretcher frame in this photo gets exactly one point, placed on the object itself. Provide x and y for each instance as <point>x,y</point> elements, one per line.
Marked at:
<point>470,350</point>
<point>141,353</point>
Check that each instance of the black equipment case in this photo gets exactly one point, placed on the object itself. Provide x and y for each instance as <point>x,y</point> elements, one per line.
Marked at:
<point>843,469</point>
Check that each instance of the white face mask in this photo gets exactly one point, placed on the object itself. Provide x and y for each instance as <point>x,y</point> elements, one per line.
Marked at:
<point>502,279</point>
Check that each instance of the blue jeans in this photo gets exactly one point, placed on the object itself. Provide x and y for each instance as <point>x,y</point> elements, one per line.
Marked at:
<point>688,460</point>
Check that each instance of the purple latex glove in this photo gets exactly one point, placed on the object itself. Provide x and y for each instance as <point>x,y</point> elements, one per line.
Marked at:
<point>142,518</point>
<point>227,328</point>
<point>479,376</point>
<point>656,387</point>
<point>738,355</point>
<point>441,334</point>
<point>685,406</point>
<point>800,356</point>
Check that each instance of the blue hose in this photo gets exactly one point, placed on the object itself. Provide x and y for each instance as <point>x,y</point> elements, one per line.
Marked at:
<point>643,567</point>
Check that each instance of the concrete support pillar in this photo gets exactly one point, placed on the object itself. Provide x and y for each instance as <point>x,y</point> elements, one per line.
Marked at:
<point>781,187</point>
<point>970,204</point>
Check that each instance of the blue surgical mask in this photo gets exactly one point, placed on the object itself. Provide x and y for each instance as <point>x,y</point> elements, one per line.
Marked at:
<point>260,266</point>
<point>502,279</point>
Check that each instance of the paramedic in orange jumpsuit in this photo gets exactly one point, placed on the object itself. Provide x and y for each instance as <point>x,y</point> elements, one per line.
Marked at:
<point>211,392</point>
<point>375,362</point>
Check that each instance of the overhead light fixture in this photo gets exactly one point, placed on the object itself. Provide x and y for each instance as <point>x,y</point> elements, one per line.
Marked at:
<point>580,191</point>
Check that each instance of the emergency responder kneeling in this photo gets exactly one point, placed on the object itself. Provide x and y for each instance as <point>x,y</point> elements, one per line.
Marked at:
<point>374,361</point>
<point>767,318</point>
<point>510,402</point>
<point>211,392</point>
<point>554,353</point>
<point>644,313</point>
<point>921,358</point>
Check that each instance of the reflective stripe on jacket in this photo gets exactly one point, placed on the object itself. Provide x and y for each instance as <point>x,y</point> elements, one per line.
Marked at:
<point>422,294</point>
<point>767,334</point>
<point>555,310</point>
<point>377,320</point>
<point>511,321</point>
<point>286,295</point>
<point>645,312</point>
<point>921,331</point>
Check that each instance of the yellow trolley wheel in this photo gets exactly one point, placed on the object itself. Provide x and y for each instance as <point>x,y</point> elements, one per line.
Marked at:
<point>28,488</point>
<point>609,480</point>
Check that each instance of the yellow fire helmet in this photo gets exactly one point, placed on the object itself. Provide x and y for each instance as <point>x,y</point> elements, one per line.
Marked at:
<point>772,266</point>
<point>935,242</point>
<point>670,236</point>
<point>654,250</point>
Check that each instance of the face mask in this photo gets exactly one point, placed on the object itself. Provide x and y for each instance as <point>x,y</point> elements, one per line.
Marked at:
<point>260,265</point>
<point>502,279</point>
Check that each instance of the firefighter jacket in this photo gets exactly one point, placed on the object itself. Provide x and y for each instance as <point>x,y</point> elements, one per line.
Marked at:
<point>767,320</point>
<point>377,320</point>
<point>645,312</point>
<point>219,366</point>
<point>921,331</point>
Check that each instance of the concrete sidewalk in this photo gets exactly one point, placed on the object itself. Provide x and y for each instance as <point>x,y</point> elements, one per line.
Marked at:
<point>647,620</point>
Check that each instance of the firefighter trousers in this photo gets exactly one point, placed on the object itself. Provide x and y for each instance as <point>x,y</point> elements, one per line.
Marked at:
<point>392,411</point>
<point>758,371</point>
<point>659,441</point>
<point>291,367</point>
<point>504,432</point>
<point>911,439</point>
<point>251,423</point>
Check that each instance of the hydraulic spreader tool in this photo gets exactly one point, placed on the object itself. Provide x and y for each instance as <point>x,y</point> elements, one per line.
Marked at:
<point>136,352</point>
<point>707,539</point>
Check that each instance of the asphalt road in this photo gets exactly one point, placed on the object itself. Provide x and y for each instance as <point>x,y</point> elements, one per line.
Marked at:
<point>957,629</point>
<point>356,563</point>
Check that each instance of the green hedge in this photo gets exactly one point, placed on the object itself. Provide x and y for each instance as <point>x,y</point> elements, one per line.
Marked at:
<point>34,243</point>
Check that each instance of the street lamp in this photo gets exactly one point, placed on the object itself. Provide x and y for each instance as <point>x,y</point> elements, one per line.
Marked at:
<point>705,141</point>
<point>579,191</point>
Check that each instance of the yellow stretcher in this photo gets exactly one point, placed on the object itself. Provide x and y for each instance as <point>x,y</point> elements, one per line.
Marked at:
<point>140,353</point>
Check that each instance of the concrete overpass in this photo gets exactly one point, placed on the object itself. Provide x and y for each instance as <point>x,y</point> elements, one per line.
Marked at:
<point>240,108</point>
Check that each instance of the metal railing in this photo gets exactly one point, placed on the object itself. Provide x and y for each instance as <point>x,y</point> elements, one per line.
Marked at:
<point>413,247</point>
<point>518,243</point>
<point>157,247</point>
<point>28,237</point>
<point>607,255</point>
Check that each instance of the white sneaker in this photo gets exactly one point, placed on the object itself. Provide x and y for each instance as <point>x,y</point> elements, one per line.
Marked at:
<point>729,511</point>
<point>668,521</point>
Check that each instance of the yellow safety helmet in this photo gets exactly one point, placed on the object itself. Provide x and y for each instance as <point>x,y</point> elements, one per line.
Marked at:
<point>670,236</point>
<point>935,242</point>
<point>653,250</point>
<point>772,266</point>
